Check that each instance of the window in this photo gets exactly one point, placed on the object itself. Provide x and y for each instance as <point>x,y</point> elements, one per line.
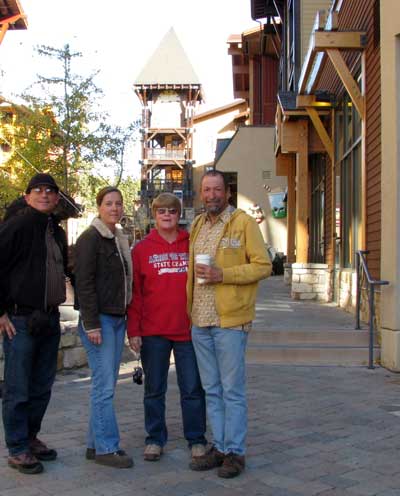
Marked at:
<point>317,237</point>
<point>348,173</point>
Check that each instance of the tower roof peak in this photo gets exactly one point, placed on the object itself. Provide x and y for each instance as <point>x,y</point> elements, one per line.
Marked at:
<point>169,64</point>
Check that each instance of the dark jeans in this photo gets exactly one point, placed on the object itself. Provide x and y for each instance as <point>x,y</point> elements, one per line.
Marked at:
<point>155,354</point>
<point>29,371</point>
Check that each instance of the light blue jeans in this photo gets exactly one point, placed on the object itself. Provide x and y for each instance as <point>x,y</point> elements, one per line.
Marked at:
<point>104,361</point>
<point>221,360</point>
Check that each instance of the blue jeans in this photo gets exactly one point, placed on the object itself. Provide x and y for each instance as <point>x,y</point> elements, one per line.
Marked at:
<point>221,358</point>
<point>104,361</point>
<point>155,354</point>
<point>30,368</point>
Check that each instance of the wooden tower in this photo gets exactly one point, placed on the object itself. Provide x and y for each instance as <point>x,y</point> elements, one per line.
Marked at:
<point>169,91</point>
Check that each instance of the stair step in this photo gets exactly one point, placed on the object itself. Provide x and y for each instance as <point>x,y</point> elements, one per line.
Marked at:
<point>310,347</point>
<point>334,337</point>
<point>303,355</point>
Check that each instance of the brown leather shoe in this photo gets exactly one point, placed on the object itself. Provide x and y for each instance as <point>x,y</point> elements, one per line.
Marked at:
<point>232,467</point>
<point>25,463</point>
<point>118,459</point>
<point>213,458</point>
<point>41,451</point>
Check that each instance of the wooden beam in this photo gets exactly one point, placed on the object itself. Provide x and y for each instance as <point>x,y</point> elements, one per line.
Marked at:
<point>3,31</point>
<point>315,144</point>
<point>13,19</point>
<point>305,100</point>
<point>292,134</point>
<point>291,209</point>
<point>217,112</point>
<point>302,213</point>
<point>322,133</point>
<point>345,40</point>
<point>348,81</point>
<point>278,126</point>
<point>283,162</point>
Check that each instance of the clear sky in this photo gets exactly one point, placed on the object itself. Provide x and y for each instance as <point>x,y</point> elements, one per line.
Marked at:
<point>117,37</point>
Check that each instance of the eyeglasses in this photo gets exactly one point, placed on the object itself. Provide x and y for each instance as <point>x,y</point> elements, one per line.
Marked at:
<point>162,211</point>
<point>43,189</point>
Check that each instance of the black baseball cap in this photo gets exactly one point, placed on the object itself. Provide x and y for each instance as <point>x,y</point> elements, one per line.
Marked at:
<point>42,179</point>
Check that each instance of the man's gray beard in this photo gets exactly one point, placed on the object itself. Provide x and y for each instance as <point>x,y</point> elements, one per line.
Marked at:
<point>214,210</point>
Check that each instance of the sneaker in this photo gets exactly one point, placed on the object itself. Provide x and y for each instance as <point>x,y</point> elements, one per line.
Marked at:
<point>117,459</point>
<point>25,463</point>
<point>41,451</point>
<point>152,452</point>
<point>198,450</point>
<point>211,459</point>
<point>90,454</point>
<point>232,467</point>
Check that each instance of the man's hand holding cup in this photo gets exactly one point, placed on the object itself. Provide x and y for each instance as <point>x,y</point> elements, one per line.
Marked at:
<point>205,272</point>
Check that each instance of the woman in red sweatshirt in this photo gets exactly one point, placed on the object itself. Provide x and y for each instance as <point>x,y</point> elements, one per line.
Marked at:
<point>158,323</point>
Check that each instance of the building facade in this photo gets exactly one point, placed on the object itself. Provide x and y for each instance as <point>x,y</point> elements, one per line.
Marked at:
<point>336,142</point>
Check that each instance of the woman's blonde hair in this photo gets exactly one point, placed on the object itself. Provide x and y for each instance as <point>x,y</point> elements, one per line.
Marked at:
<point>166,200</point>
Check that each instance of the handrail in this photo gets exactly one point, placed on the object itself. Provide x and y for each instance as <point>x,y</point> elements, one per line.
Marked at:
<point>361,264</point>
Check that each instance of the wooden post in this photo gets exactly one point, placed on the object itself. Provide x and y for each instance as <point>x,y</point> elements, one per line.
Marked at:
<point>291,210</point>
<point>302,213</point>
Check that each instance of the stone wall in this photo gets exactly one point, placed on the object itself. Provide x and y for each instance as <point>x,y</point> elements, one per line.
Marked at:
<point>316,282</point>
<point>311,282</point>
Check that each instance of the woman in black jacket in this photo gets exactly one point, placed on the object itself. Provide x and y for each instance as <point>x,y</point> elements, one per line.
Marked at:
<point>103,275</point>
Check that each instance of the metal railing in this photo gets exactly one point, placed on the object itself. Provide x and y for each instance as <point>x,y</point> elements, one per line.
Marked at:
<point>371,283</point>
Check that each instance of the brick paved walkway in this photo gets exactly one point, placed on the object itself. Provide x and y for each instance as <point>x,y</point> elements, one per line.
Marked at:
<point>330,431</point>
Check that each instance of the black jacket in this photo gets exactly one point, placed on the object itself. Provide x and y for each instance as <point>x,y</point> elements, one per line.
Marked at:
<point>102,281</point>
<point>23,254</point>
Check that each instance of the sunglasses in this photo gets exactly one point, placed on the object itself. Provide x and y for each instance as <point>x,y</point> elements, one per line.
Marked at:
<point>162,211</point>
<point>45,189</point>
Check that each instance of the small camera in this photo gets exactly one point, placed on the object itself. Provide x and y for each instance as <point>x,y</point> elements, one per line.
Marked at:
<point>137,375</point>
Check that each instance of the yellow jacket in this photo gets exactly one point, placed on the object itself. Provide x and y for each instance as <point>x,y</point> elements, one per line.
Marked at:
<point>242,256</point>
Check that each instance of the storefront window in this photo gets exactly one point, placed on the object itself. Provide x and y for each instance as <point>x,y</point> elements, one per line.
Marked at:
<point>348,167</point>
<point>317,231</point>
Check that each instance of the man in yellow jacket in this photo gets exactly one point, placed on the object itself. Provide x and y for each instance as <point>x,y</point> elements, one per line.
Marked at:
<point>221,303</point>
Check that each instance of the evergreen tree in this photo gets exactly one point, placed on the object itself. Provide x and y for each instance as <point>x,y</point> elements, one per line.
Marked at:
<point>62,131</point>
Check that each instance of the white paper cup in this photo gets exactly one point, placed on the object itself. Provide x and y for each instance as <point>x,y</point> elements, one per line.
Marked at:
<point>205,260</point>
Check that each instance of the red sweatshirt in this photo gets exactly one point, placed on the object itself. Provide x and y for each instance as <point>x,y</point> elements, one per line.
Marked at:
<point>158,306</point>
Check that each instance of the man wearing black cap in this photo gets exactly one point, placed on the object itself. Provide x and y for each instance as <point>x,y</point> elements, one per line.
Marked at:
<point>33,259</point>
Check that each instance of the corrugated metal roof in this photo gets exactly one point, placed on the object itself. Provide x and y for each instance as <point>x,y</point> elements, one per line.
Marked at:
<point>169,64</point>
<point>10,8</point>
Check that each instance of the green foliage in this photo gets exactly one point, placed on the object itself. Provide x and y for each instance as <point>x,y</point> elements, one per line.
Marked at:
<point>130,188</point>
<point>60,130</point>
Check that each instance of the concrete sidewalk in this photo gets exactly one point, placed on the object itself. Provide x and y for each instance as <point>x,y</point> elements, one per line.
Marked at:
<point>276,310</point>
<point>329,431</point>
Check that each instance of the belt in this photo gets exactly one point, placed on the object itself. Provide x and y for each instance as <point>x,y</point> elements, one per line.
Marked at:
<point>23,310</point>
